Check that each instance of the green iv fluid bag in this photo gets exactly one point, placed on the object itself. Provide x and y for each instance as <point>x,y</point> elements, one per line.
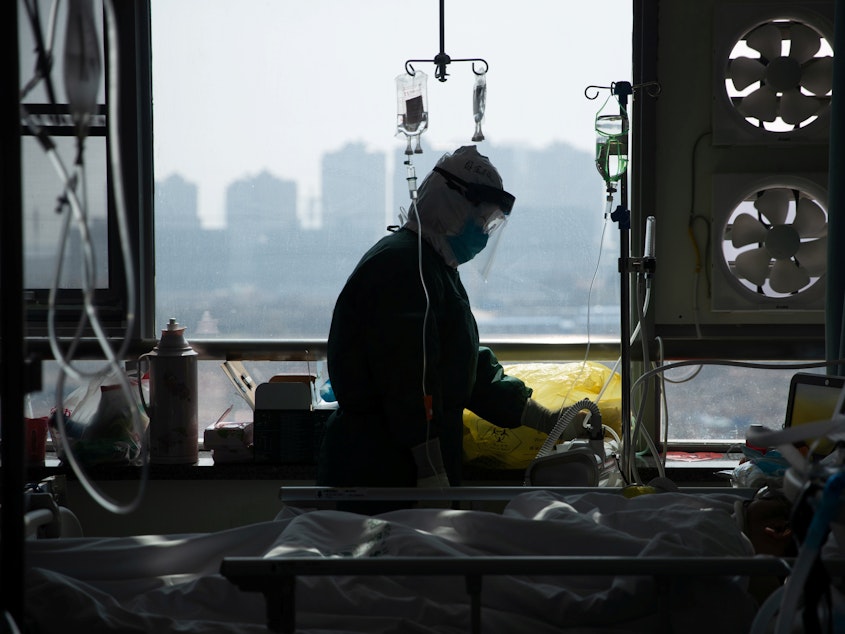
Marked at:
<point>611,141</point>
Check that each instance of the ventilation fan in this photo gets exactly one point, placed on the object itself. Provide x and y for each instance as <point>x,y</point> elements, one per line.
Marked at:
<point>774,79</point>
<point>771,249</point>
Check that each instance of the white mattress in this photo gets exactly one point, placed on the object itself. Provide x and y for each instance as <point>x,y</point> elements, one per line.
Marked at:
<point>172,583</point>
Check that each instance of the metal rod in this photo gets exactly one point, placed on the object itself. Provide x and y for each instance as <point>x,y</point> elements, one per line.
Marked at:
<point>12,322</point>
<point>442,27</point>
<point>622,89</point>
<point>250,570</point>
<point>473,584</point>
<point>272,576</point>
<point>835,284</point>
<point>465,493</point>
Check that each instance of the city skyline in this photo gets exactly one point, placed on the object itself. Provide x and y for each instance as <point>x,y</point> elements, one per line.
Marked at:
<point>303,79</point>
<point>266,258</point>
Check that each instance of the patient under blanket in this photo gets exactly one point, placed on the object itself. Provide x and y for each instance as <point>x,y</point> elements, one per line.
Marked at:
<point>172,583</point>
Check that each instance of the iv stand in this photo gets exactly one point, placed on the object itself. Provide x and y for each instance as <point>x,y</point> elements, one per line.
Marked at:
<point>622,90</point>
<point>442,59</point>
<point>622,215</point>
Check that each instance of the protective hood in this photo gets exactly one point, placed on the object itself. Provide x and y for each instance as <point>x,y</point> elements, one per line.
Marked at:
<point>447,214</point>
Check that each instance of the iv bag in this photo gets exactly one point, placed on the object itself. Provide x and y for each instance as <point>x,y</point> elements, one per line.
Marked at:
<point>412,107</point>
<point>479,104</point>
<point>611,141</point>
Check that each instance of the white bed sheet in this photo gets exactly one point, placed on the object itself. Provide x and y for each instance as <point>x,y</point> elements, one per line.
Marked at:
<point>172,583</point>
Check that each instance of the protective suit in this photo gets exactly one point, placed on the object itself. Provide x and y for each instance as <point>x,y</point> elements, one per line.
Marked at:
<point>398,348</point>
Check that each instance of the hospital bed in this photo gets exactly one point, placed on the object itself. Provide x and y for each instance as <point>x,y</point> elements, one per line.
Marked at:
<point>552,560</point>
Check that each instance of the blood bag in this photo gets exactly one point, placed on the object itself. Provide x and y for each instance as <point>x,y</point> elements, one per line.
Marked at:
<point>412,108</point>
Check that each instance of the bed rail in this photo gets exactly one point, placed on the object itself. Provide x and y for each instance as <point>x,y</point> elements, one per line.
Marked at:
<point>289,494</point>
<point>276,578</point>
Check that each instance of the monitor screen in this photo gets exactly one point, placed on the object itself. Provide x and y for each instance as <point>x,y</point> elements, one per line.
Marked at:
<point>812,398</point>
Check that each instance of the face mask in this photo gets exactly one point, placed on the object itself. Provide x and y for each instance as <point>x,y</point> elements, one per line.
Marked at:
<point>469,242</point>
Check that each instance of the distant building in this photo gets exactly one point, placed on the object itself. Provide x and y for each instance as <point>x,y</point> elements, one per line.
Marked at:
<point>176,205</point>
<point>354,191</point>
<point>261,219</point>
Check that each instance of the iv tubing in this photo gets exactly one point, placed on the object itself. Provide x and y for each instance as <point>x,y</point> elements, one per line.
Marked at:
<point>561,411</point>
<point>766,613</point>
<point>816,534</point>
<point>113,360</point>
<point>563,422</point>
<point>411,185</point>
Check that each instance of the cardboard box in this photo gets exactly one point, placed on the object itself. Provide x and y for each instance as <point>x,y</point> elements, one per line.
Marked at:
<point>228,435</point>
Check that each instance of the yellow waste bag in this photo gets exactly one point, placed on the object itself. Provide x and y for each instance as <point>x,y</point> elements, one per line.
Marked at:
<point>554,385</point>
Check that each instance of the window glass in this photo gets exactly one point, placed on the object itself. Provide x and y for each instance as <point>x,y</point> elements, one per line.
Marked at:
<point>46,213</point>
<point>44,187</point>
<point>717,403</point>
<point>277,162</point>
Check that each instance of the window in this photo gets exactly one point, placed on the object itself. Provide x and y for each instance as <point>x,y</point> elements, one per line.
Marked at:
<point>55,238</point>
<point>277,163</point>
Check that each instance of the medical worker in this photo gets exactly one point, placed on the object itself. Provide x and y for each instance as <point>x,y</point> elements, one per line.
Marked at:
<point>403,350</point>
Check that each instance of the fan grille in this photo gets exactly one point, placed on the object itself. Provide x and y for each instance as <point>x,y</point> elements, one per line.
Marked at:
<point>775,242</point>
<point>779,74</point>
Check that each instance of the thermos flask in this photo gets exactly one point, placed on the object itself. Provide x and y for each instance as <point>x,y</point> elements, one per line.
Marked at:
<point>173,428</point>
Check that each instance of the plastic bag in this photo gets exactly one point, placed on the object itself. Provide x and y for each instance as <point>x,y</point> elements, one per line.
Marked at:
<point>554,385</point>
<point>760,468</point>
<point>99,425</point>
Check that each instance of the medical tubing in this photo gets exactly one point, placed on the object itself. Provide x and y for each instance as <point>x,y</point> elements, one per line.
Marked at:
<point>766,613</point>
<point>613,434</point>
<point>65,360</point>
<point>640,428</point>
<point>587,349</point>
<point>590,291</point>
<point>633,339</point>
<point>739,364</point>
<point>634,336</point>
<point>44,59</point>
<point>424,329</point>
<point>565,414</point>
<point>664,402</point>
<point>563,421</point>
<point>637,427</point>
<point>808,554</point>
<point>113,360</point>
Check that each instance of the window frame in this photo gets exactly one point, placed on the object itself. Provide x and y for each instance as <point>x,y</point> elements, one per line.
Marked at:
<point>135,130</point>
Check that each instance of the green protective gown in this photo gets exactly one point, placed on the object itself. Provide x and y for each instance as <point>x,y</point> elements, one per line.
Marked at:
<point>376,362</point>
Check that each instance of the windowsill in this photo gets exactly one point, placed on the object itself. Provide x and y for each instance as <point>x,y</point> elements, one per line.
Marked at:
<point>684,468</point>
<point>204,469</point>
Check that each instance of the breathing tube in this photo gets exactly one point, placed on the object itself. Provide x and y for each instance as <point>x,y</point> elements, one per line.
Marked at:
<point>563,421</point>
<point>809,553</point>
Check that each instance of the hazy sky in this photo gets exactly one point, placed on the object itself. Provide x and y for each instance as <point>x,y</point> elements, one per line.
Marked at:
<point>244,86</point>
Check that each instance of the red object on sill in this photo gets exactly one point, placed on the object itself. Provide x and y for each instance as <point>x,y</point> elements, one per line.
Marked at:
<point>697,456</point>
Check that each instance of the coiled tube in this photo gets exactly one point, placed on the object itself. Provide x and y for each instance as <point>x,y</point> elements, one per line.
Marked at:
<point>564,420</point>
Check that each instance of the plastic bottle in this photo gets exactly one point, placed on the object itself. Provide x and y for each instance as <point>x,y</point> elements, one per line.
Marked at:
<point>173,399</point>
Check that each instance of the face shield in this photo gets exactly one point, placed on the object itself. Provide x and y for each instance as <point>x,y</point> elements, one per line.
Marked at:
<point>484,227</point>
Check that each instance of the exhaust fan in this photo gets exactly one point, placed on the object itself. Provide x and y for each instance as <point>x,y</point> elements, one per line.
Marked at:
<point>773,77</point>
<point>771,246</point>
